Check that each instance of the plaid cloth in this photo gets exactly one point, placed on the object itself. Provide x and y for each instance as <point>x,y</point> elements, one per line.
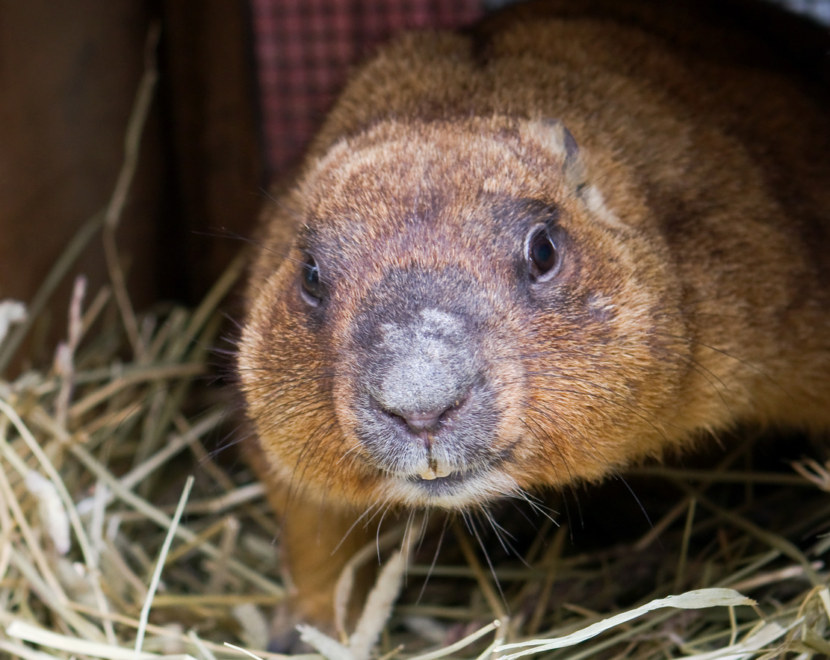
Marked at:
<point>304,49</point>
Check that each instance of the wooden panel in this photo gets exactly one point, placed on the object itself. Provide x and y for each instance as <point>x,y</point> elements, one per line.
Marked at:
<point>69,72</point>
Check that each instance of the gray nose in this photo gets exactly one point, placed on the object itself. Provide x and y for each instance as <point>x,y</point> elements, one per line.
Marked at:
<point>430,373</point>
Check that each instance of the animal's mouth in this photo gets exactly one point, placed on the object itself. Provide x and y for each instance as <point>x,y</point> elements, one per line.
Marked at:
<point>438,480</point>
<point>470,486</point>
<point>449,479</point>
<point>449,484</point>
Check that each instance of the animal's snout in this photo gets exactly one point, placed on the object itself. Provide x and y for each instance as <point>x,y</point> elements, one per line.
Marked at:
<point>425,407</point>
<point>428,372</point>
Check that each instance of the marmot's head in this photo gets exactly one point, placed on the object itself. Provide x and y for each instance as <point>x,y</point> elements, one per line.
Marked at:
<point>460,317</point>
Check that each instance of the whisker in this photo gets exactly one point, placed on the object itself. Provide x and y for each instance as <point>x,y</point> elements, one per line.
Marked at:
<point>362,517</point>
<point>471,527</point>
<point>434,561</point>
<point>503,537</point>
<point>536,505</point>
<point>639,502</point>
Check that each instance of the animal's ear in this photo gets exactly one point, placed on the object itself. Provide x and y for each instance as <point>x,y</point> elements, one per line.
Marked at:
<point>554,136</point>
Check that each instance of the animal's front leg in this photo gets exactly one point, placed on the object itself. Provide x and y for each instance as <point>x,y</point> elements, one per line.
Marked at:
<point>317,542</point>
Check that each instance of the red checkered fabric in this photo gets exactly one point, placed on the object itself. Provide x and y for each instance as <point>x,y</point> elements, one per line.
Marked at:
<point>304,49</point>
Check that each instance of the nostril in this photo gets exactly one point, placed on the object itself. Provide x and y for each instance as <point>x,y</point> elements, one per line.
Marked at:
<point>421,421</point>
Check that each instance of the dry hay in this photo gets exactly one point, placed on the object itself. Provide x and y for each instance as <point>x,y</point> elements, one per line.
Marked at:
<point>122,536</point>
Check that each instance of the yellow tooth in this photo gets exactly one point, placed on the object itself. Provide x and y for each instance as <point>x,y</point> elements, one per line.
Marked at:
<point>440,471</point>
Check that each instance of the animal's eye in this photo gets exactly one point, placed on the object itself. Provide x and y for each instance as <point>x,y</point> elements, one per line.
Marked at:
<point>542,254</point>
<point>312,288</point>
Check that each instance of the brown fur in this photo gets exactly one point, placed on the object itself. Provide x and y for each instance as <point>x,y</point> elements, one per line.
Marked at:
<point>693,292</point>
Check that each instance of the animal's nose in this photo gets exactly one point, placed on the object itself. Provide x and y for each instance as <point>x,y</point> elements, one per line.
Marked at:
<point>427,369</point>
<point>424,421</point>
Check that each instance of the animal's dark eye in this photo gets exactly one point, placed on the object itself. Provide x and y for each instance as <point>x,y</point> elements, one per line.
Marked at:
<point>542,254</point>
<point>312,289</point>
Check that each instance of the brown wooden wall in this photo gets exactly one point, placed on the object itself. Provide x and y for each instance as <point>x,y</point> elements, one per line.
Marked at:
<point>68,77</point>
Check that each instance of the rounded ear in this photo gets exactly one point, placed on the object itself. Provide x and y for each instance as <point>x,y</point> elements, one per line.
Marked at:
<point>554,136</point>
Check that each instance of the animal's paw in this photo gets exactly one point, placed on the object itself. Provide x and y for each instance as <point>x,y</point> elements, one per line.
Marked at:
<point>284,634</point>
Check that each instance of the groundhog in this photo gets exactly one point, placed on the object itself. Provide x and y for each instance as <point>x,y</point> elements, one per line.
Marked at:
<point>530,254</point>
